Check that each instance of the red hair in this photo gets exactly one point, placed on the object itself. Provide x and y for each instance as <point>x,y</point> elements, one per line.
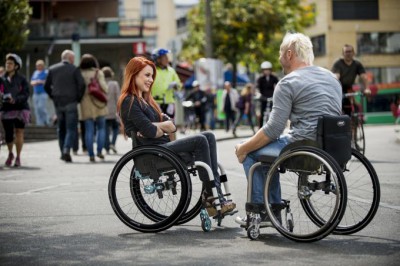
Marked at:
<point>129,88</point>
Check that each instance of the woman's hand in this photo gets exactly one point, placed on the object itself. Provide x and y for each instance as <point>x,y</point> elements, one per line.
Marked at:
<point>239,153</point>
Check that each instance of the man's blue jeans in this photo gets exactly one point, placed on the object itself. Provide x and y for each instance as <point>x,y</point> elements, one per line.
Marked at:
<point>100,134</point>
<point>260,174</point>
<point>67,120</point>
<point>40,105</point>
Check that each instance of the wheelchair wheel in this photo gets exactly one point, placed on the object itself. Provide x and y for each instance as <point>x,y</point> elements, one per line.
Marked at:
<point>149,189</point>
<point>313,190</point>
<point>363,194</point>
<point>195,204</point>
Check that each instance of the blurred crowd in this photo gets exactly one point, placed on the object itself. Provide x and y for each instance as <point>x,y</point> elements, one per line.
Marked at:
<point>85,99</point>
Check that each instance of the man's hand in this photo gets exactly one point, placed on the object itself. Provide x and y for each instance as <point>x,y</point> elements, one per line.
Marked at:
<point>239,153</point>
<point>367,92</point>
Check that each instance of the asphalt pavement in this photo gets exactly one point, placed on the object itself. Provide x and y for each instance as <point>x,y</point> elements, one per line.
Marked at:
<point>57,213</point>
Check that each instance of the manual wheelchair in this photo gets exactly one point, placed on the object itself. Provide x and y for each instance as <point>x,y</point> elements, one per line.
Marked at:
<point>325,185</point>
<point>152,188</point>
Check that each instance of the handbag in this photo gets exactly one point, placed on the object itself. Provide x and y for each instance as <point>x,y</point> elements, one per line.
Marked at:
<point>95,89</point>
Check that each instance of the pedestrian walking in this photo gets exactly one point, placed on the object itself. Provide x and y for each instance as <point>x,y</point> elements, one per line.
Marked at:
<point>40,96</point>
<point>14,112</point>
<point>229,97</point>
<point>65,86</point>
<point>92,110</point>
<point>112,120</point>
<point>198,97</point>
<point>210,107</point>
<point>244,105</point>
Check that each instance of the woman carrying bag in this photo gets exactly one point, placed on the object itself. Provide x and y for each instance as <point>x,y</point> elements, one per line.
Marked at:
<point>92,110</point>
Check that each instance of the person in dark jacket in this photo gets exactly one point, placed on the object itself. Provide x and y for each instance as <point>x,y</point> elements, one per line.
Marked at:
<point>15,111</point>
<point>199,99</point>
<point>65,86</point>
<point>266,85</point>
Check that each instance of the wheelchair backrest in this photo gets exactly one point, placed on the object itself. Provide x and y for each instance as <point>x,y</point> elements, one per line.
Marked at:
<point>334,136</point>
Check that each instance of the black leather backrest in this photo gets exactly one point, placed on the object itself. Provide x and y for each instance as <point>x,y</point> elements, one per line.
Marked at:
<point>133,137</point>
<point>334,136</point>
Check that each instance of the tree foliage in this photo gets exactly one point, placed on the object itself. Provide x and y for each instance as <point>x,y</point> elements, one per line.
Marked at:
<point>13,30</point>
<point>248,31</point>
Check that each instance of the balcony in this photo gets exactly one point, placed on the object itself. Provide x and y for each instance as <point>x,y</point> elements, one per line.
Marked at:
<point>100,28</point>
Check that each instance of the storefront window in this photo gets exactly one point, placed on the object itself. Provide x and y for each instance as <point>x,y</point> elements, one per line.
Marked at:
<point>378,43</point>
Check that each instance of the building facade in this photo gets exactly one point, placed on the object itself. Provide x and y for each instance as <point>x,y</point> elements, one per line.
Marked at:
<point>372,27</point>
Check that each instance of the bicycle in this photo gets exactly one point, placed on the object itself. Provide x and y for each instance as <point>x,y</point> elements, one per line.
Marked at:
<point>357,120</point>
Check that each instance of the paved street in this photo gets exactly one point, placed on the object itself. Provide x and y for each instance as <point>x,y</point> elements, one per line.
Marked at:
<point>54,213</point>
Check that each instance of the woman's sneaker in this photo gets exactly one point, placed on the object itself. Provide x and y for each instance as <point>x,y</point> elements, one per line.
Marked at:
<point>9,159</point>
<point>17,162</point>
<point>112,147</point>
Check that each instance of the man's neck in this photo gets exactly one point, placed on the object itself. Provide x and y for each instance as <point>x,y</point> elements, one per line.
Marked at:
<point>297,66</point>
<point>348,61</point>
<point>11,74</point>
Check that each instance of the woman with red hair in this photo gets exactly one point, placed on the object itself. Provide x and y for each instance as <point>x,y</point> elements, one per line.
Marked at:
<point>140,113</point>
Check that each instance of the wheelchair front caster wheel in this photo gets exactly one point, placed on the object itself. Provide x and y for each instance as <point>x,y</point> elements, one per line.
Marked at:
<point>206,224</point>
<point>290,224</point>
<point>252,232</point>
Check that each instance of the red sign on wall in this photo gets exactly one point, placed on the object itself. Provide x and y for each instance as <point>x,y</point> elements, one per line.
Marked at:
<point>139,48</point>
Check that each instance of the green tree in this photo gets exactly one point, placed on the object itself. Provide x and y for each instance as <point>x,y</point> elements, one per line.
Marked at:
<point>13,30</point>
<point>247,31</point>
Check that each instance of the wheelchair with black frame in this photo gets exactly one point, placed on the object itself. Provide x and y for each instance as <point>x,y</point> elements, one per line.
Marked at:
<point>152,188</point>
<point>325,186</point>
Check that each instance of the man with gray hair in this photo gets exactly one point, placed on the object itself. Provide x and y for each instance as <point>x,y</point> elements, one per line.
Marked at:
<point>306,93</point>
<point>65,85</point>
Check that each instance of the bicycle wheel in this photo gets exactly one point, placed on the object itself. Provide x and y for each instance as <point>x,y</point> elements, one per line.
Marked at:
<point>313,190</point>
<point>149,189</point>
<point>358,135</point>
<point>363,194</point>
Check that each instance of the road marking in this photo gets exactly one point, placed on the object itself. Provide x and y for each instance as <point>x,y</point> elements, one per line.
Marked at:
<point>42,189</point>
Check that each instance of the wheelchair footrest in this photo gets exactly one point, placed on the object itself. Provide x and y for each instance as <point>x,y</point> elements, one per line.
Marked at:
<point>226,214</point>
<point>255,207</point>
<point>261,226</point>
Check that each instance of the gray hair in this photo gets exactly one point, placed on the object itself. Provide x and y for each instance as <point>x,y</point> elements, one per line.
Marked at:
<point>301,46</point>
<point>66,53</point>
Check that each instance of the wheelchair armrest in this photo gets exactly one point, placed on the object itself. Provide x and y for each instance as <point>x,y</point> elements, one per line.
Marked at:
<point>267,159</point>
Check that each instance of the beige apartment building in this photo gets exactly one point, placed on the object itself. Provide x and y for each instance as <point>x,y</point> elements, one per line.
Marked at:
<point>160,27</point>
<point>372,27</point>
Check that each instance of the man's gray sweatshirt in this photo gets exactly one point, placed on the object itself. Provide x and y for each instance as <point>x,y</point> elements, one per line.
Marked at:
<point>301,97</point>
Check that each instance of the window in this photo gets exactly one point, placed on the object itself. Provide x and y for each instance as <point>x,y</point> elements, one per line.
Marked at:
<point>378,43</point>
<point>318,45</point>
<point>355,9</point>
<point>36,10</point>
<point>384,74</point>
<point>149,9</point>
